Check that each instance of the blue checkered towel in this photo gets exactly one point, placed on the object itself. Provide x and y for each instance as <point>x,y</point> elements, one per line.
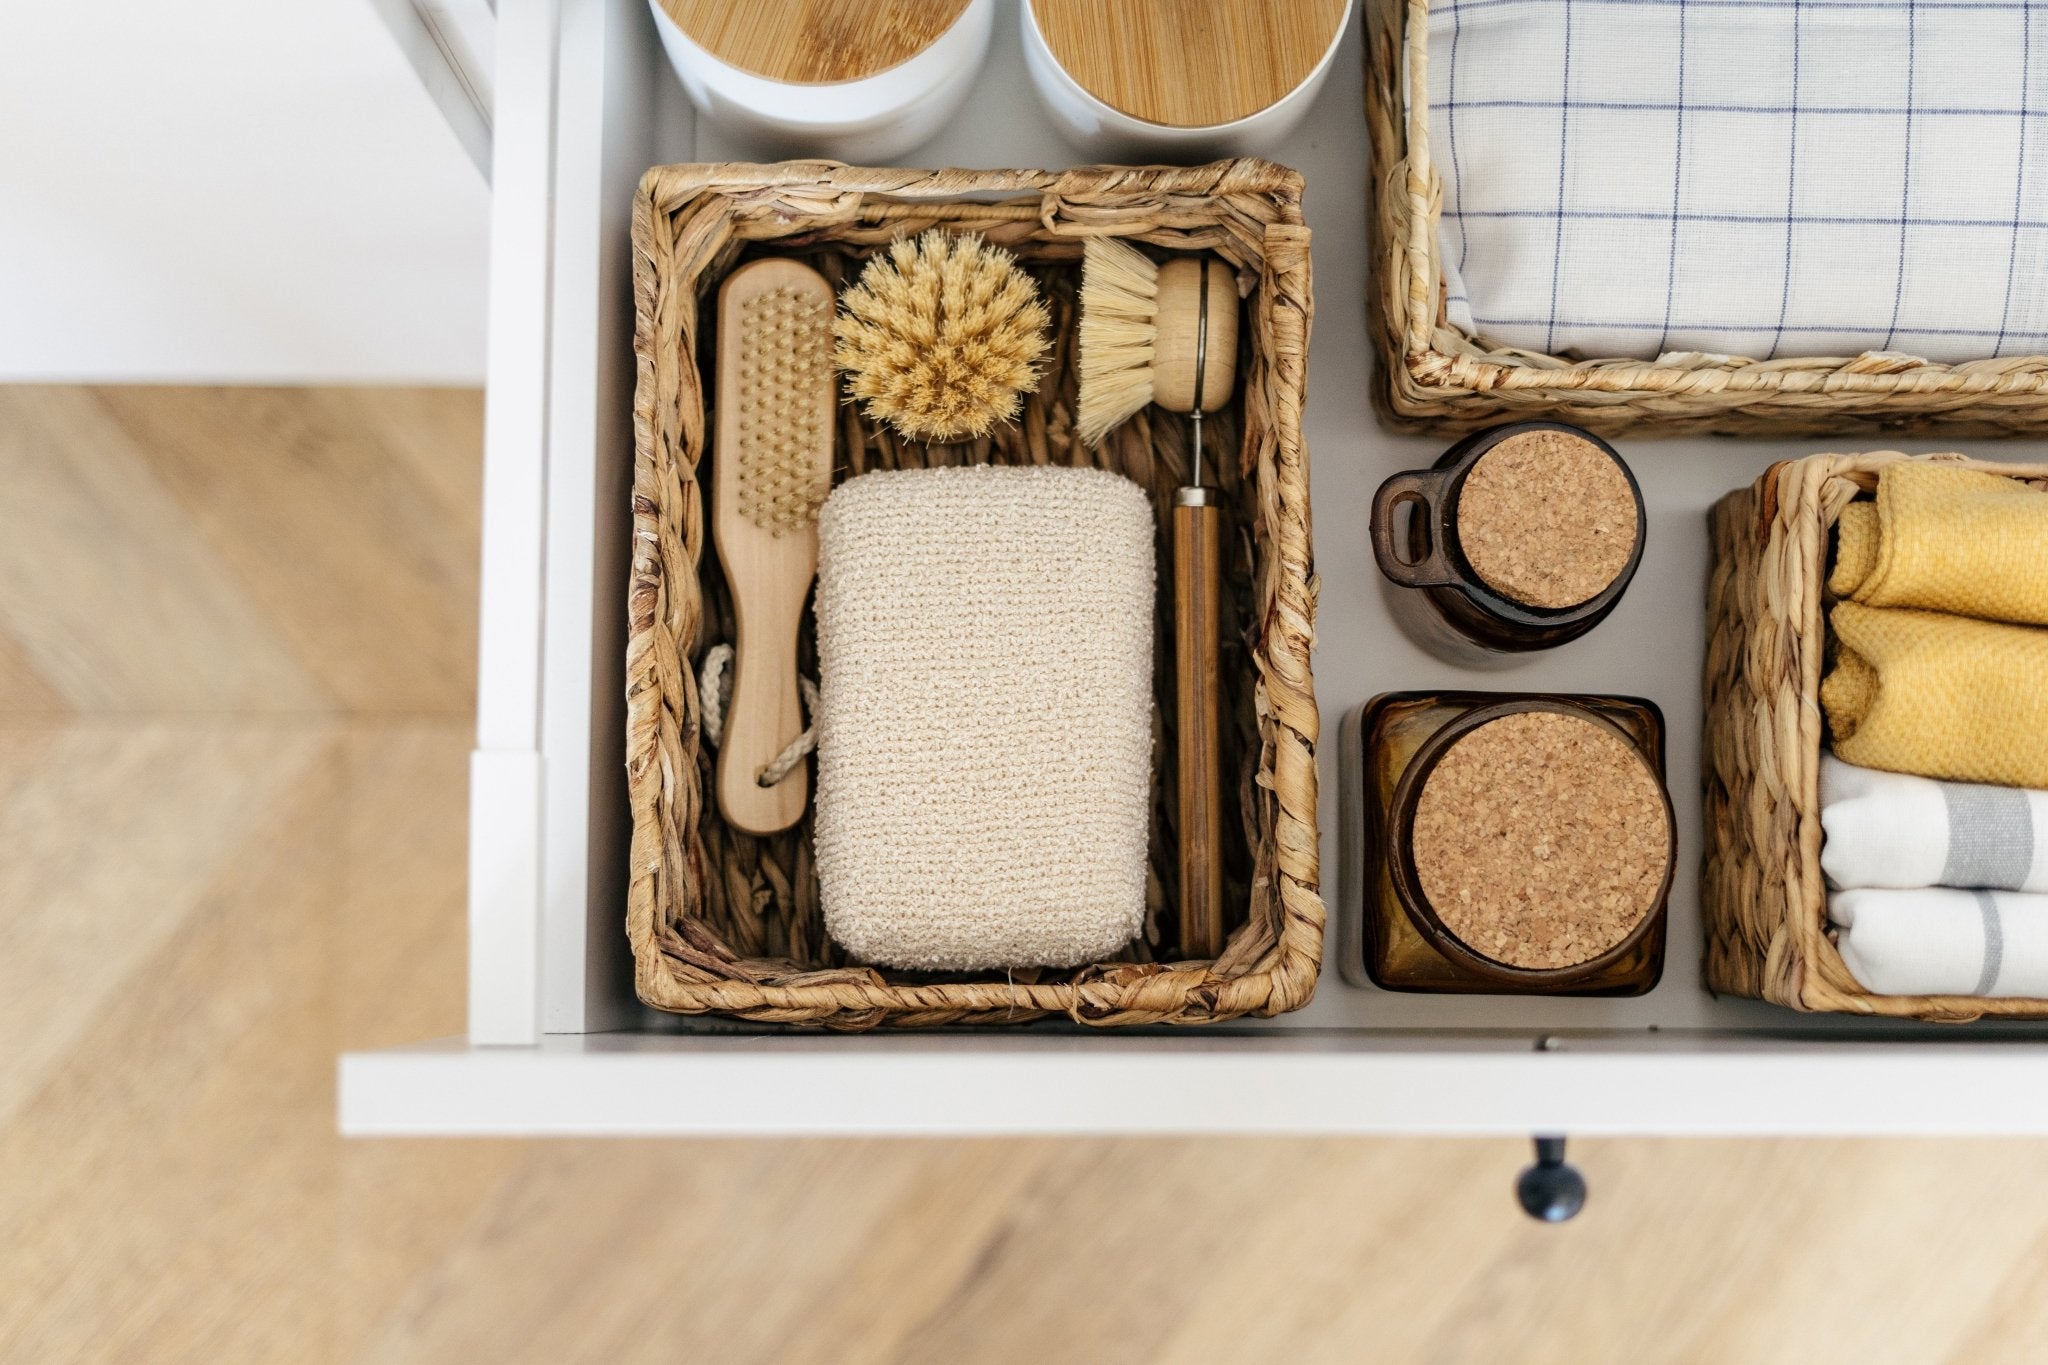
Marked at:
<point>1744,177</point>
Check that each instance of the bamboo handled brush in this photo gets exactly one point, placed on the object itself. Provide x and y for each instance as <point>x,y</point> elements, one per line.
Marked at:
<point>1167,334</point>
<point>773,457</point>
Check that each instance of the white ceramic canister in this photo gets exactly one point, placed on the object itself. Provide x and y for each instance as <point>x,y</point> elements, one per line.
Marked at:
<point>1130,80</point>
<point>854,80</point>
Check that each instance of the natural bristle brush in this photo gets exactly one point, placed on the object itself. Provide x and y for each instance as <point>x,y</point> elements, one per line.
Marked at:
<point>772,456</point>
<point>1167,334</point>
<point>942,336</point>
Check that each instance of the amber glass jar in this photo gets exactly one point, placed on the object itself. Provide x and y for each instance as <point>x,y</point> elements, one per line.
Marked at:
<point>1519,538</point>
<point>1514,843</point>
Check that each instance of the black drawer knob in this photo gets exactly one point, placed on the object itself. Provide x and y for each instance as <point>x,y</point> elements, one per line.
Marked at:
<point>1552,1190</point>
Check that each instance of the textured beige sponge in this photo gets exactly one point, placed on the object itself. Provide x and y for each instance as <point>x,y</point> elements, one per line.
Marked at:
<point>985,716</point>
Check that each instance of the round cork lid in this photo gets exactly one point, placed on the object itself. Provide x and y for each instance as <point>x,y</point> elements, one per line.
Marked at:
<point>1188,63</point>
<point>814,42</point>
<point>1541,839</point>
<point>1548,519</point>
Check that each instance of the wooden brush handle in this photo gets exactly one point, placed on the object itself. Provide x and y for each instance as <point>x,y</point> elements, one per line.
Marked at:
<point>766,709</point>
<point>1197,618</point>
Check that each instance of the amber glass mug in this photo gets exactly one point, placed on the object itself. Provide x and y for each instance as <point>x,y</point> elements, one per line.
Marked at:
<point>1439,600</point>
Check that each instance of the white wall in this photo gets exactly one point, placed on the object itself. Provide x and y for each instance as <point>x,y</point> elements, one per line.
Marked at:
<point>230,191</point>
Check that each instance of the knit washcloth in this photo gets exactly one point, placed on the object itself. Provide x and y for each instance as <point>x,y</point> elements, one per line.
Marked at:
<point>1946,539</point>
<point>1941,696</point>
<point>985,716</point>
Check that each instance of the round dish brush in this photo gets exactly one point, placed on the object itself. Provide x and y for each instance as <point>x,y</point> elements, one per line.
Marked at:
<point>1167,334</point>
<point>941,336</point>
<point>1164,334</point>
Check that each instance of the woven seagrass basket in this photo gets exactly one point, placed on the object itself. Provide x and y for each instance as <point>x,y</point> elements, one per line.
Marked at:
<point>721,922</point>
<point>1433,377</point>
<point>1763,894</point>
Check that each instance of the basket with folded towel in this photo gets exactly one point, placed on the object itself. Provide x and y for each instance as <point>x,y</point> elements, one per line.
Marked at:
<point>1733,217</point>
<point>1909,688</point>
<point>1934,887</point>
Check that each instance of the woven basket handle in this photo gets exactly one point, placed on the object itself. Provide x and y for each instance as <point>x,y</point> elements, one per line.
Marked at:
<point>1424,488</point>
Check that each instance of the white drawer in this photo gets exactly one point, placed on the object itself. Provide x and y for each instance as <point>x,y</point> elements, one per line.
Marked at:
<point>557,1043</point>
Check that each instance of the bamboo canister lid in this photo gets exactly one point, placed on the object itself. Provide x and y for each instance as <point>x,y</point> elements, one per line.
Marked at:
<point>1189,63</point>
<point>813,42</point>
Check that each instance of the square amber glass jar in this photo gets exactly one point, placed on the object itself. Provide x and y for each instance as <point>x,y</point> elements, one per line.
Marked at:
<point>1404,950</point>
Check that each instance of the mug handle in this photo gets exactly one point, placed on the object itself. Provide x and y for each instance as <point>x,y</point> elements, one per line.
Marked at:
<point>1424,487</point>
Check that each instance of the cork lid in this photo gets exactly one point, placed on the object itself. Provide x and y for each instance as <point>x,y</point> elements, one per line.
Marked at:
<point>1547,518</point>
<point>1541,839</point>
<point>1188,63</point>
<point>814,42</point>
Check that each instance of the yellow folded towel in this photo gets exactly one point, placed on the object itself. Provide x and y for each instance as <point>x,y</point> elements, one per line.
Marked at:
<point>1941,696</point>
<point>1946,539</point>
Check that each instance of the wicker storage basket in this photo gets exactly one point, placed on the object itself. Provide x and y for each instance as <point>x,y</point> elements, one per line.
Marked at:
<point>725,923</point>
<point>1763,895</point>
<point>1434,377</point>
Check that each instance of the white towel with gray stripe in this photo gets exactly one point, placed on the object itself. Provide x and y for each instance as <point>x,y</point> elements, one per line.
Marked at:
<point>1938,940</point>
<point>1761,178</point>
<point>1894,830</point>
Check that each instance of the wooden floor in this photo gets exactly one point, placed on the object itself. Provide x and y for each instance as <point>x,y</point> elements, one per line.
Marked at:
<point>235,683</point>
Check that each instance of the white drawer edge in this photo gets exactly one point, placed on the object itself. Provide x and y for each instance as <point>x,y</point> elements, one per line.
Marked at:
<point>506,769</point>
<point>516,392</point>
<point>618,110</point>
<point>505,789</point>
<point>640,1085</point>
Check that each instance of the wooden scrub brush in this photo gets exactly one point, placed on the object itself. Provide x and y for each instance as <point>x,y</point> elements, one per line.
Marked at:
<point>941,336</point>
<point>1167,334</point>
<point>772,460</point>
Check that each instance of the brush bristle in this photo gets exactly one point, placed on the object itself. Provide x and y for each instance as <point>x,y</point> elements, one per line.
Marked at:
<point>942,336</point>
<point>1119,309</point>
<point>785,352</point>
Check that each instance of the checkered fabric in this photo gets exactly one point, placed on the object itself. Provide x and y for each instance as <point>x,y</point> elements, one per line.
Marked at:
<point>1744,177</point>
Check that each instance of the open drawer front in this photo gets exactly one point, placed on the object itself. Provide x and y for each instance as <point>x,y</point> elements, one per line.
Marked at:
<point>557,1043</point>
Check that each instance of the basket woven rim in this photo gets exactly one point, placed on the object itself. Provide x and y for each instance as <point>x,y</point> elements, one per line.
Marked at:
<point>1797,502</point>
<point>1431,362</point>
<point>1186,201</point>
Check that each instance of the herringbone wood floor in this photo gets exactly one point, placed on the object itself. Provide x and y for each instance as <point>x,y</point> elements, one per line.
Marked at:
<point>235,653</point>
